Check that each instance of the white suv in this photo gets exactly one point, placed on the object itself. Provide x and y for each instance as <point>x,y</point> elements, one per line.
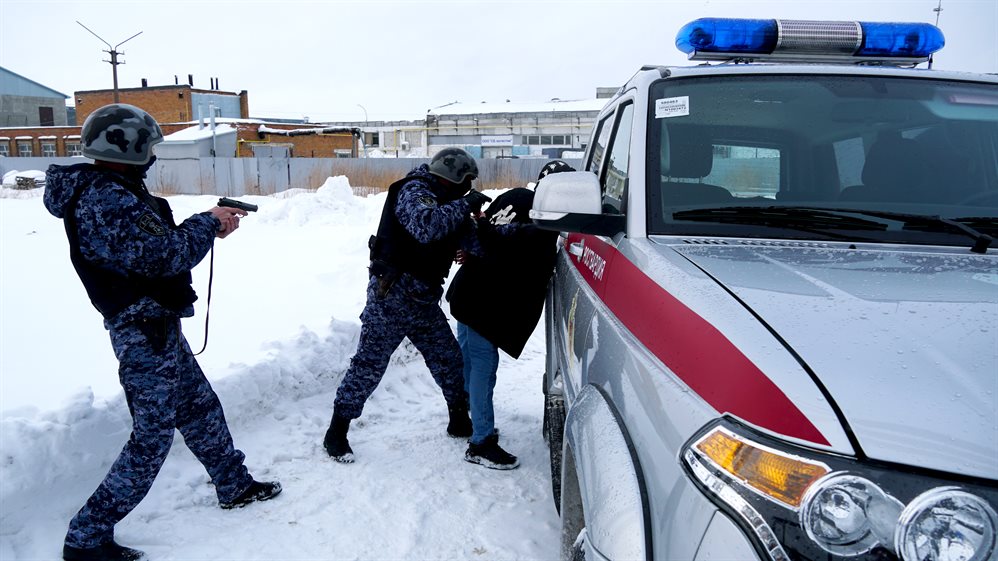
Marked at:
<point>773,327</point>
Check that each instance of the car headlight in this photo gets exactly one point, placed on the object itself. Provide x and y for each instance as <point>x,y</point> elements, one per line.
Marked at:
<point>798,503</point>
<point>947,523</point>
<point>848,515</point>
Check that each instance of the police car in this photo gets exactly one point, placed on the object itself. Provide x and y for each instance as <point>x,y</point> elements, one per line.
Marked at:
<point>773,327</point>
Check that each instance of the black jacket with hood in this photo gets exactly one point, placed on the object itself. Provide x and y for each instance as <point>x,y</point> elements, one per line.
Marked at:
<point>500,294</point>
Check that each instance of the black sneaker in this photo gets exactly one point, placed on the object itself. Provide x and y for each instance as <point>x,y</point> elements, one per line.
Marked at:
<point>109,551</point>
<point>258,491</point>
<point>491,455</point>
<point>459,425</point>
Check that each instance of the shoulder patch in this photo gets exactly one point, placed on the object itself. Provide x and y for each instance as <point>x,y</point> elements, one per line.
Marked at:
<point>427,201</point>
<point>149,224</point>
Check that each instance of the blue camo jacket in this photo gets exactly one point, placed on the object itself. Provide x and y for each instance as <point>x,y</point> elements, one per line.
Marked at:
<point>120,233</point>
<point>429,214</point>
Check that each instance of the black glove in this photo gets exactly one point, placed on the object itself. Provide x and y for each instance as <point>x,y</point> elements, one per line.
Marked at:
<point>475,201</point>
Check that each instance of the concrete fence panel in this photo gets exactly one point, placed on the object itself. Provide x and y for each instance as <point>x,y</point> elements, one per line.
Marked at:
<point>234,177</point>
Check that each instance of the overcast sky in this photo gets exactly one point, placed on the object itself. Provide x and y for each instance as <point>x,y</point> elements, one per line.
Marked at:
<point>347,60</point>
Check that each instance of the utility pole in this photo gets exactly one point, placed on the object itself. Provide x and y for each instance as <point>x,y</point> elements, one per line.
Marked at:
<point>364,132</point>
<point>113,51</point>
<point>938,10</point>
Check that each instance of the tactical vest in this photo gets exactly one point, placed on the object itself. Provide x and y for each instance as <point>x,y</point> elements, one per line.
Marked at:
<point>111,292</point>
<point>394,250</point>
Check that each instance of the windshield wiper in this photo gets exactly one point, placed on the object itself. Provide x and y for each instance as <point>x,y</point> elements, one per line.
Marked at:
<point>840,218</point>
<point>937,223</point>
<point>798,218</point>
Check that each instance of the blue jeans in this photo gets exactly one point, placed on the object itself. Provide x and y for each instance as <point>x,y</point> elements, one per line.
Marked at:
<point>481,360</point>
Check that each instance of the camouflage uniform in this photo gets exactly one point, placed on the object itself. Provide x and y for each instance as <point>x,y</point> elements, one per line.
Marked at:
<point>164,387</point>
<point>411,307</point>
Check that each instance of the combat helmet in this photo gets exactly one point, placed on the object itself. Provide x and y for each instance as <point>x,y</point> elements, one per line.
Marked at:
<point>120,133</point>
<point>454,165</point>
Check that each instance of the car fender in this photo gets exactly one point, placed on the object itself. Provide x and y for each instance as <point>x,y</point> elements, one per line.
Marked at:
<point>613,494</point>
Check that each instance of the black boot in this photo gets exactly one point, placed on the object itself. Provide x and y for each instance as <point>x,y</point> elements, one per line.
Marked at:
<point>258,491</point>
<point>109,551</point>
<point>491,455</point>
<point>336,443</point>
<point>460,423</point>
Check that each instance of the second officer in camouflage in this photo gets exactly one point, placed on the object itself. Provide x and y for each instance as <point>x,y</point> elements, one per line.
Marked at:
<point>425,220</point>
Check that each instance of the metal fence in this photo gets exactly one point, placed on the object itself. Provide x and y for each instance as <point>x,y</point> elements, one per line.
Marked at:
<point>234,177</point>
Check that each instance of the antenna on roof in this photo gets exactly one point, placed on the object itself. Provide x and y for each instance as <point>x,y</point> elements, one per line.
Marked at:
<point>113,51</point>
<point>938,10</point>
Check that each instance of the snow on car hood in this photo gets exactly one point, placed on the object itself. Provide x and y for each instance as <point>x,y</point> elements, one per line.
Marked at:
<point>905,341</point>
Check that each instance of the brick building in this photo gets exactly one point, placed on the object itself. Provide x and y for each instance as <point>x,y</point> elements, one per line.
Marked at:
<point>178,107</point>
<point>168,104</point>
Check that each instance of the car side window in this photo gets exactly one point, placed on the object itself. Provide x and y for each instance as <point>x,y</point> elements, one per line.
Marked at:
<point>599,148</point>
<point>615,171</point>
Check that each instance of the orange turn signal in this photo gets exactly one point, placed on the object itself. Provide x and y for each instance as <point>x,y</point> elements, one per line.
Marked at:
<point>773,473</point>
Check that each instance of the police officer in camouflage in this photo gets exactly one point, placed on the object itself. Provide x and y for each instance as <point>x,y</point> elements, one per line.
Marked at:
<point>425,221</point>
<point>135,263</point>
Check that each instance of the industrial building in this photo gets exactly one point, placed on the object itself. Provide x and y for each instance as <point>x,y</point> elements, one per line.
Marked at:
<point>34,121</point>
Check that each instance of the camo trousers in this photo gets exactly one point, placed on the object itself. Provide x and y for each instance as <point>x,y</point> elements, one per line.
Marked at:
<point>385,322</point>
<point>165,391</point>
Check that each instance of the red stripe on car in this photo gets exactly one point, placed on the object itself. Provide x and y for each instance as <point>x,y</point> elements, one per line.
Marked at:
<point>692,348</point>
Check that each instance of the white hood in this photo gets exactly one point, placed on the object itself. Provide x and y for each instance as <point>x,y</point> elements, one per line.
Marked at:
<point>905,342</point>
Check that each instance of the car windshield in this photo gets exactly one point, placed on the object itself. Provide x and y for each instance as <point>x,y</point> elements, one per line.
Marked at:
<point>778,155</point>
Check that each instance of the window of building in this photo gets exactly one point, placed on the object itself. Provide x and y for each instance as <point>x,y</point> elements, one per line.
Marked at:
<point>74,149</point>
<point>48,149</point>
<point>24,148</point>
<point>546,139</point>
<point>558,139</point>
<point>46,116</point>
<point>4,149</point>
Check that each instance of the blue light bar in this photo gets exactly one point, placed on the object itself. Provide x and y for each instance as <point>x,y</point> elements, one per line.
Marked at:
<point>900,39</point>
<point>721,35</point>
<point>708,38</point>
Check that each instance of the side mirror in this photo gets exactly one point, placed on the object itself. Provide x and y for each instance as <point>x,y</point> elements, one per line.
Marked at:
<point>572,202</point>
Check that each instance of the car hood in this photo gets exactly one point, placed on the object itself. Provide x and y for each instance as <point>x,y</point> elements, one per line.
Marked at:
<point>906,342</point>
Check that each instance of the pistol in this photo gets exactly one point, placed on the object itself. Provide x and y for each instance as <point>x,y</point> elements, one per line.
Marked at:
<point>232,203</point>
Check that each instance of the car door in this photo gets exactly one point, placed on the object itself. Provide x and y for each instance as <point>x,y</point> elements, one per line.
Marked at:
<point>581,275</point>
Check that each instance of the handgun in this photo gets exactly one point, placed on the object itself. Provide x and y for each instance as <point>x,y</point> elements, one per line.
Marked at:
<point>232,203</point>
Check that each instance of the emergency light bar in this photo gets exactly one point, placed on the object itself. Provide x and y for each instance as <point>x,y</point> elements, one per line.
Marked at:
<point>805,40</point>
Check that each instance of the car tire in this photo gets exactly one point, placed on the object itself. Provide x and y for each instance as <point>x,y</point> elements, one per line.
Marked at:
<point>554,429</point>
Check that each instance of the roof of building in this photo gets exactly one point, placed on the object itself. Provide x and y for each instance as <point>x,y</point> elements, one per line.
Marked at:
<point>192,134</point>
<point>12,83</point>
<point>553,106</point>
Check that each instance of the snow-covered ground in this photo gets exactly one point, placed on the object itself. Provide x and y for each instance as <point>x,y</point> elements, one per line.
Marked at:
<point>287,290</point>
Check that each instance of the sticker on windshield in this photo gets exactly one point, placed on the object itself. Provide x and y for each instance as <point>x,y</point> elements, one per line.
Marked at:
<point>672,107</point>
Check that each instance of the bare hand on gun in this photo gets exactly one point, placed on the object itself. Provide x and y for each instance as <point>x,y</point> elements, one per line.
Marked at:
<point>228,212</point>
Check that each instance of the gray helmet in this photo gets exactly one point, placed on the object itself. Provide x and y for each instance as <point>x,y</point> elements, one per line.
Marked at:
<point>120,133</point>
<point>454,165</point>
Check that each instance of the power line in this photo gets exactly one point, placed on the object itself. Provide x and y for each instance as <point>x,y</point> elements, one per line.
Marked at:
<point>113,51</point>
